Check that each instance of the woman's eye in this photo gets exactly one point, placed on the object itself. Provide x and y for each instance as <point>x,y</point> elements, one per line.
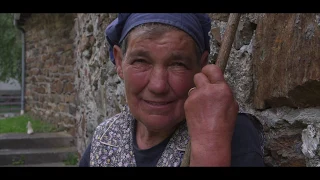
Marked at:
<point>178,64</point>
<point>139,61</point>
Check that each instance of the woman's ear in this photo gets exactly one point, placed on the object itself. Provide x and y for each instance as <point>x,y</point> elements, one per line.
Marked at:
<point>204,59</point>
<point>118,60</point>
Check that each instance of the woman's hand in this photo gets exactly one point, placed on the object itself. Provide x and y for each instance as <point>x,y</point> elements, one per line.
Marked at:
<point>211,112</point>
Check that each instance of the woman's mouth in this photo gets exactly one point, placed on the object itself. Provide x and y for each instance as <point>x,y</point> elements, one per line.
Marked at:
<point>157,103</point>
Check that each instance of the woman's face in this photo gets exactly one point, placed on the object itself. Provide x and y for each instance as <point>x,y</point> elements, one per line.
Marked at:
<point>158,71</point>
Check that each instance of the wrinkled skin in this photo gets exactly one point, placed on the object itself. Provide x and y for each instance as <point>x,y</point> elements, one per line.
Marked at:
<point>211,113</point>
<point>158,72</point>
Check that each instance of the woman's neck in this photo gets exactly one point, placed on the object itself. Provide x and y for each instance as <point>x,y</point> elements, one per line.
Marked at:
<point>148,138</point>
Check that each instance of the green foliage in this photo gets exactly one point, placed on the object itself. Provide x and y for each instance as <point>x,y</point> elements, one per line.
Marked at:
<point>18,161</point>
<point>10,48</point>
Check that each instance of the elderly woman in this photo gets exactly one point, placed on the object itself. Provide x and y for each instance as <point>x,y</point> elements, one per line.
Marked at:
<point>173,96</point>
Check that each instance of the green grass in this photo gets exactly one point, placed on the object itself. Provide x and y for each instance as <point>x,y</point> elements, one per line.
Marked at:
<point>72,159</point>
<point>18,124</point>
<point>9,108</point>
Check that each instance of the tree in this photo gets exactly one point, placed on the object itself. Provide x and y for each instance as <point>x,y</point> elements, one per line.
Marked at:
<point>10,48</point>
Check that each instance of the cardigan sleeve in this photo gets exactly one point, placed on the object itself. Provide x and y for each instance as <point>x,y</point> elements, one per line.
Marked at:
<point>247,142</point>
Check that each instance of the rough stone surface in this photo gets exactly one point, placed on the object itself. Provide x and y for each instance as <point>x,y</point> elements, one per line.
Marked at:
<point>283,125</point>
<point>49,68</point>
<point>100,93</point>
<point>310,146</point>
<point>286,63</point>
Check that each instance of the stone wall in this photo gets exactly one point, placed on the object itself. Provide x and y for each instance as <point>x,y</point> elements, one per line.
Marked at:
<point>273,70</point>
<point>50,93</point>
<point>99,88</point>
<point>286,67</point>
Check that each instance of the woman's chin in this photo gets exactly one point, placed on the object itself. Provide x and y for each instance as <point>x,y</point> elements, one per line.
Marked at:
<point>159,123</point>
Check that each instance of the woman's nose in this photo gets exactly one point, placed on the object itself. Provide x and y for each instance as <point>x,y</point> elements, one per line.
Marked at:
<point>158,81</point>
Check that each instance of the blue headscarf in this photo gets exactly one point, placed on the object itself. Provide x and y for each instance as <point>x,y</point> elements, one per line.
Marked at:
<point>197,25</point>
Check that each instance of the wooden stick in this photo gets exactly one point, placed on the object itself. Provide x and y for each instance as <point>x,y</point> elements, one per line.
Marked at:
<point>228,39</point>
<point>222,60</point>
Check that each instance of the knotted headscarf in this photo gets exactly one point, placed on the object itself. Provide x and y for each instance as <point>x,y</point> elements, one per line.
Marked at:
<point>197,25</point>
